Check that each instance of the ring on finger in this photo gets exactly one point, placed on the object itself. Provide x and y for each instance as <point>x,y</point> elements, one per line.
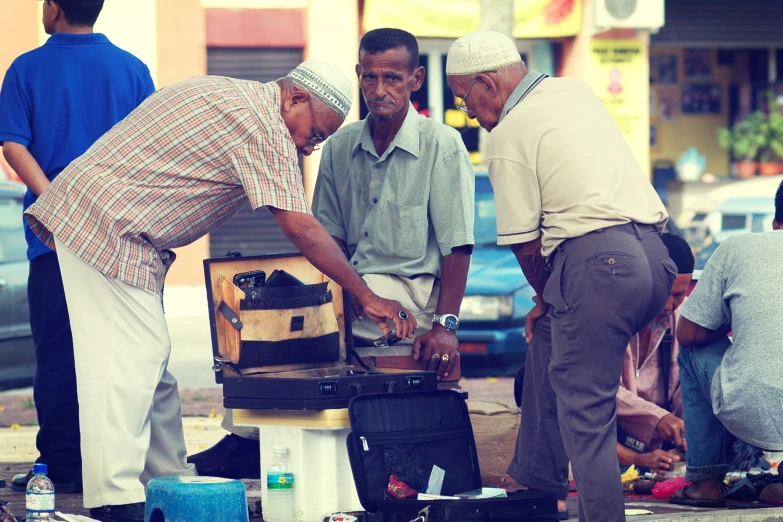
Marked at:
<point>403,315</point>
<point>445,358</point>
<point>435,356</point>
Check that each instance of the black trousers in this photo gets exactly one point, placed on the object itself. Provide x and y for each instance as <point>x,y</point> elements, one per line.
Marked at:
<point>54,388</point>
<point>603,288</point>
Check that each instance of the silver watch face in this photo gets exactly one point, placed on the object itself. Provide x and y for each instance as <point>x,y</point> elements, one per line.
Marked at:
<point>450,321</point>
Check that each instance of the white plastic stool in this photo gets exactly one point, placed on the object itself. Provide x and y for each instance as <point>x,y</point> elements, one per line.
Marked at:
<point>317,454</point>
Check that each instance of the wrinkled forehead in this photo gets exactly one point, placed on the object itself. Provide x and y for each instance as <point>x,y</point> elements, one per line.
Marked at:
<point>396,59</point>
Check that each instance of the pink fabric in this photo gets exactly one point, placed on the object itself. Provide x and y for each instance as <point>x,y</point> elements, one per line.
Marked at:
<point>667,488</point>
<point>640,399</point>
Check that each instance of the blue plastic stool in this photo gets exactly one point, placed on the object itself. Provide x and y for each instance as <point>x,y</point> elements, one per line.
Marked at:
<point>195,499</point>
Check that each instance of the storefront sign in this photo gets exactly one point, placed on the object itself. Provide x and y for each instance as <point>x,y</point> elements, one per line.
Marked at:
<point>455,18</point>
<point>619,76</point>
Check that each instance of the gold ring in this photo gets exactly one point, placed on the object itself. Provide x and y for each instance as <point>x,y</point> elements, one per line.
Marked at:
<point>435,356</point>
<point>445,358</point>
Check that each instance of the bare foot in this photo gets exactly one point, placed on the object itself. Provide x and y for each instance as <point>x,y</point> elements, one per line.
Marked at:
<point>708,490</point>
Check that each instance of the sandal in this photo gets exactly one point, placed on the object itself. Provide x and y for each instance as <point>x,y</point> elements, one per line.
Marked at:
<point>681,498</point>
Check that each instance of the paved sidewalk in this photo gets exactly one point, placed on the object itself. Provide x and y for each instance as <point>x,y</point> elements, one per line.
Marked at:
<point>203,411</point>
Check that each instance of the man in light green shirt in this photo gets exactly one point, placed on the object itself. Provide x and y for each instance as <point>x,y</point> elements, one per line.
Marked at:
<point>397,191</point>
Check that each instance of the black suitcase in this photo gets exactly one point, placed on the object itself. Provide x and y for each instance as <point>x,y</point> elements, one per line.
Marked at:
<point>316,375</point>
<point>434,427</point>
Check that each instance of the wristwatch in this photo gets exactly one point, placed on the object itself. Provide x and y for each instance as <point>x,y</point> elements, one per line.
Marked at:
<point>448,321</point>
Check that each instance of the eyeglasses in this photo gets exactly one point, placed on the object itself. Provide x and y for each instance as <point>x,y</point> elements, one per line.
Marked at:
<point>462,105</point>
<point>317,136</point>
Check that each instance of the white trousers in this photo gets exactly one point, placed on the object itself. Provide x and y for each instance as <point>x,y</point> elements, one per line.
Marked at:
<point>129,408</point>
<point>419,295</point>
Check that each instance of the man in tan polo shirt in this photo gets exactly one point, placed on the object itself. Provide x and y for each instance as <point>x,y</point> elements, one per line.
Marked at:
<point>584,224</point>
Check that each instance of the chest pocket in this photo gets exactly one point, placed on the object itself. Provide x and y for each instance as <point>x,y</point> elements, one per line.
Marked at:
<point>402,230</point>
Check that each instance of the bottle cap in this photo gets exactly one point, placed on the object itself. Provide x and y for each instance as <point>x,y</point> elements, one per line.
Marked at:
<point>279,449</point>
<point>40,469</point>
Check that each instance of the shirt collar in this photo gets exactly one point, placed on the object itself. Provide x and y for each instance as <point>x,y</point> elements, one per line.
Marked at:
<point>407,137</point>
<point>77,39</point>
<point>527,84</point>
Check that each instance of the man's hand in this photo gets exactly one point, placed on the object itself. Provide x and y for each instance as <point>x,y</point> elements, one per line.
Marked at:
<point>441,342</point>
<point>357,312</point>
<point>315,243</point>
<point>672,429</point>
<point>661,462</point>
<point>379,310</point>
<point>536,313</point>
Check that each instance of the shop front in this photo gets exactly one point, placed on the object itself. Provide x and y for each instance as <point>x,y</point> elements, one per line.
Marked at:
<point>539,28</point>
<point>712,66</point>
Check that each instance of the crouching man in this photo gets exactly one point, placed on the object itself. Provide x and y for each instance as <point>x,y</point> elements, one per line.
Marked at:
<point>732,389</point>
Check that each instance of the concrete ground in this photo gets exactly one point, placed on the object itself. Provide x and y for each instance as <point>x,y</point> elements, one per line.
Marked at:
<point>202,410</point>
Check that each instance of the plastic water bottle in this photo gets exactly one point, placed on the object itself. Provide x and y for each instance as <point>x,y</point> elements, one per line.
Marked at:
<point>280,502</point>
<point>40,495</point>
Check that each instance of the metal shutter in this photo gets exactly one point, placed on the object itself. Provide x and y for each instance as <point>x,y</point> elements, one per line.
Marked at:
<point>721,23</point>
<point>251,233</point>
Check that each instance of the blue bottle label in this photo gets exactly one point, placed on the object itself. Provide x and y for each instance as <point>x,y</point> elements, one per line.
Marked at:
<point>41,502</point>
<point>279,480</point>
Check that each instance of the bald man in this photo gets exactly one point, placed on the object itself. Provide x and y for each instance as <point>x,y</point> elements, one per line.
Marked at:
<point>584,223</point>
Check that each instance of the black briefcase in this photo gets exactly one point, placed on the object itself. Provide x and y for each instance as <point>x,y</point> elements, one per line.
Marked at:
<point>413,432</point>
<point>280,338</point>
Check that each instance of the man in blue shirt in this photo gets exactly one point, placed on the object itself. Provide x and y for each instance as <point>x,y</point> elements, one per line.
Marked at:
<point>55,102</point>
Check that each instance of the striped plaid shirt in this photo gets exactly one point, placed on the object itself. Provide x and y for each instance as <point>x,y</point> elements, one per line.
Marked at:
<point>177,167</point>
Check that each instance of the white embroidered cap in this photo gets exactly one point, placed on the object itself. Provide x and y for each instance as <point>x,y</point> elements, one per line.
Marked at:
<point>325,81</point>
<point>481,51</point>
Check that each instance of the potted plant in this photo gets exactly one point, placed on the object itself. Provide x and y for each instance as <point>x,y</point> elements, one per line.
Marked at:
<point>772,155</point>
<point>745,140</point>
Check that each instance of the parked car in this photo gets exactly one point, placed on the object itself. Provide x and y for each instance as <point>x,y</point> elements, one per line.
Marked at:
<point>497,298</point>
<point>17,353</point>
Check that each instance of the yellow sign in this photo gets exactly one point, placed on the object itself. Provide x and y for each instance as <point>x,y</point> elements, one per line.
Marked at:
<point>619,76</point>
<point>455,18</point>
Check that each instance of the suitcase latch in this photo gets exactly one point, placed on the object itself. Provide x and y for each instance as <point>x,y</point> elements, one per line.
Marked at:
<point>327,388</point>
<point>413,383</point>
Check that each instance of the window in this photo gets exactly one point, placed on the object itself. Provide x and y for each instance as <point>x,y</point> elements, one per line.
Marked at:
<point>734,222</point>
<point>13,247</point>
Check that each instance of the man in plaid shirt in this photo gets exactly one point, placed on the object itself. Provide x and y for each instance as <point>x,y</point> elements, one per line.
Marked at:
<point>176,168</point>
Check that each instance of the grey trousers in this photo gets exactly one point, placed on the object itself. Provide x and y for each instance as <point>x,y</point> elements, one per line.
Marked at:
<point>603,288</point>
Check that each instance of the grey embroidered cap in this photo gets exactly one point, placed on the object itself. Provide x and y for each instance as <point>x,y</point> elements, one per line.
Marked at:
<point>327,82</point>
<point>481,51</point>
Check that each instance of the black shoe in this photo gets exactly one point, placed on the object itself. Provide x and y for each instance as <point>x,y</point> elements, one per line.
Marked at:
<point>122,513</point>
<point>232,457</point>
<point>19,483</point>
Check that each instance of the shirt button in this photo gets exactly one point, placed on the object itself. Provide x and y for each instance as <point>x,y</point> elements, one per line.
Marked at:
<point>366,234</point>
<point>355,263</point>
<point>375,200</point>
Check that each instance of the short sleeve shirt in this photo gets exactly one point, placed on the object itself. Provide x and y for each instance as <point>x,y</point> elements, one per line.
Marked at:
<point>741,285</point>
<point>399,213</point>
<point>176,168</point>
<point>560,168</point>
<point>57,100</point>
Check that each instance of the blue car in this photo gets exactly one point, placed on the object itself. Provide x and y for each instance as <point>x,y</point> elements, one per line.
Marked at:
<point>497,298</point>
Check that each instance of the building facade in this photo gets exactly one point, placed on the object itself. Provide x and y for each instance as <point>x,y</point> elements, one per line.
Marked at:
<point>597,40</point>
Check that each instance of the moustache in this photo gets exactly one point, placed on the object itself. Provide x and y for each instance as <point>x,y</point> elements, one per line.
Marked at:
<point>380,100</point>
